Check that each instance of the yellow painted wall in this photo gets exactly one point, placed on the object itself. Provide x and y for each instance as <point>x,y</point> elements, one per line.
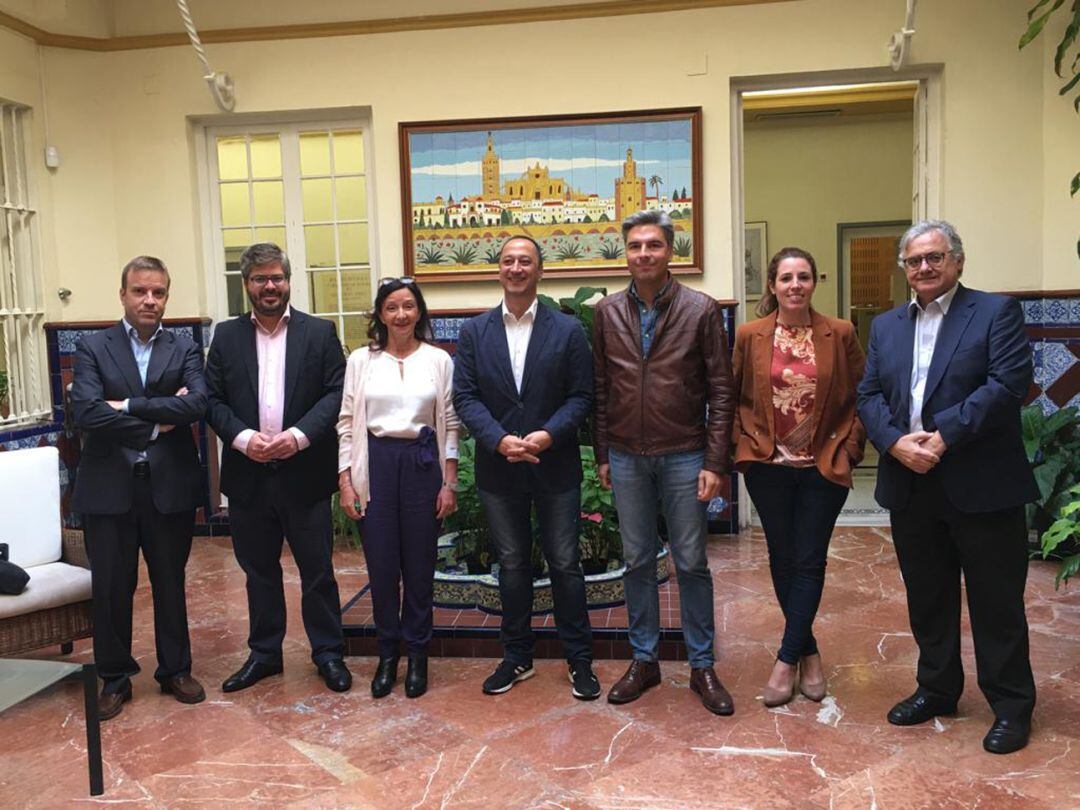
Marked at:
<point>129,181</point>
<point>803,178</point>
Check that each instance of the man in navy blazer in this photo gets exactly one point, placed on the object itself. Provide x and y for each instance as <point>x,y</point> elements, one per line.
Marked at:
<point>523,387</point>
<point>275,379</point>
<point>136,389</point>
<point>945,377</point>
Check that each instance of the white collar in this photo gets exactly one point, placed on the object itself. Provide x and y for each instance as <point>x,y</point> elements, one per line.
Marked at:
<point>530,313</point>
<point>128,329</point>
<point>944,301</point>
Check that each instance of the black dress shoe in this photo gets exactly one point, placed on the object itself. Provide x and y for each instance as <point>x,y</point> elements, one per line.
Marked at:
<point>385,677</point>
<point>249,674</point>
<point>1006,736</point>
<point>416,676</point>
<point>336,674</point>
<point>919,708</point>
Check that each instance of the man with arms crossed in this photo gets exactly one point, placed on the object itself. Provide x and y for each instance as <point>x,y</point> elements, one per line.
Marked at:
<point>523,387</point>
<point>136,390</point>
<point>664,407</point>
<point>275,381</point>
<point>945,376</point>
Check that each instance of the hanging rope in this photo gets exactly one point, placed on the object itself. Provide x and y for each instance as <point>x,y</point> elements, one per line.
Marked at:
<point>221,84</point>
<point>901,40</point>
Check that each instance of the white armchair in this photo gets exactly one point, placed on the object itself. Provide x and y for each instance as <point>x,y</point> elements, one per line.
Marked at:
<point>55,608</point>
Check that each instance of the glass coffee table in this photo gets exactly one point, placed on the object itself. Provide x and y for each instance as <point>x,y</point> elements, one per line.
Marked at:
<point>23,678</point>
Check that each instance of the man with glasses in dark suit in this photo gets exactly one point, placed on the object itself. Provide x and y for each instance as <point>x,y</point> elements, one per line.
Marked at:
<point>275,380</point>
<point>946,374</point>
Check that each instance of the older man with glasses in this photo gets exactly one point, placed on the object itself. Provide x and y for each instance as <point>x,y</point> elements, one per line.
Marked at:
<point>945,377</point>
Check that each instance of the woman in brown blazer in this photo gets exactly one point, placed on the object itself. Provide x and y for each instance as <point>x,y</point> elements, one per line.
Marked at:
<point>796,439</point>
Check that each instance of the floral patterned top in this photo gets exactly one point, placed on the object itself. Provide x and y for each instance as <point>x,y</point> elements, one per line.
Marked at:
<point>794,376</point>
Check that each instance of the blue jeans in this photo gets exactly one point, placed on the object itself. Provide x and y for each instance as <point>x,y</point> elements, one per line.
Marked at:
<point>641,483</point>
<point>559,516</point>
<point>798,508</point>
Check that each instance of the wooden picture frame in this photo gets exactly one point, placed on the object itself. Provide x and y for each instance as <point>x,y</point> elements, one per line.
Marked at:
<point>756,249</point>
<point>567,181</point>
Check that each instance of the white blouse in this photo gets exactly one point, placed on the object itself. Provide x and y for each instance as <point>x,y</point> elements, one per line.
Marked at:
<point>402,406</point>
<point>401,395</point>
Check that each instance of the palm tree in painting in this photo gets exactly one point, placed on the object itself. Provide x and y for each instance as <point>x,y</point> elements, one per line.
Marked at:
<point>656,181</point>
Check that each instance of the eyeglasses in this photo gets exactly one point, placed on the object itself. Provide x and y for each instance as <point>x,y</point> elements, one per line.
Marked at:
<point>262,281</point>
<point>403,280</point>
<point>935,260</point>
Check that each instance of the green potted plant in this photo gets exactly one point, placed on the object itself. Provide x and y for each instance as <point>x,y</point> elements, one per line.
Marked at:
<point>1052,444</point>
<point>1063,532</point>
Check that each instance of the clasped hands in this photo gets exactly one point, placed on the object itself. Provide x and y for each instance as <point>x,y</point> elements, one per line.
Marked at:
<point>919,451</point>
<point>263,447</point>
<point>524,448</point>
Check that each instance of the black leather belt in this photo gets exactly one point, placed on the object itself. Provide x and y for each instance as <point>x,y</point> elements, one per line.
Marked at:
<point>141,469</point>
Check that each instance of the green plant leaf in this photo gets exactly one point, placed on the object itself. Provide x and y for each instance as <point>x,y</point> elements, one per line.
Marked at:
<point>1031,13</point>
<point>1059,419</point>
<point>1075,185</point>
<point>1069,85</point>
<point>1069,567</point>
<point>1046,476</point>
<point>548,301</point>
<point>1037,25</point>
<point>1067,39</point>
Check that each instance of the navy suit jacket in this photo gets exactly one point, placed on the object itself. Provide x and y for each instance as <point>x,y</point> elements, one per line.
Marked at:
<point>314,377</point>
<point>105,369</point>
<point>978,377</point>
<point>556,396</point>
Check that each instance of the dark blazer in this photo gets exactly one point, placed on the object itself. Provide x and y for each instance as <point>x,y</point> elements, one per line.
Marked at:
<point>105,369</point>
<point>556,395</point>
<point>314,375</point>
<point>978,377</point>
<point>839,437</point>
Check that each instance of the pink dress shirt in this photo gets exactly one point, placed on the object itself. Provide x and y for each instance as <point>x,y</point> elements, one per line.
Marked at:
<point>270,354</point>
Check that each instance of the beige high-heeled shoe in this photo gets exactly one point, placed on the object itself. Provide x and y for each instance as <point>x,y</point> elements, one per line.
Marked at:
<point>772,697</point>
<point>812,690</point>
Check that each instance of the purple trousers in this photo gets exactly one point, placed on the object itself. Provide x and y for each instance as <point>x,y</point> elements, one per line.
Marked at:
<point>399,532</point>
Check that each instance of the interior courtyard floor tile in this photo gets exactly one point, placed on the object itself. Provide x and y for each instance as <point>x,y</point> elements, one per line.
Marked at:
<point>289,742</point>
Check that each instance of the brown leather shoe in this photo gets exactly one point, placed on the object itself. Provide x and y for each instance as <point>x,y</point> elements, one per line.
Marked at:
<point>713,695</point>
<point>641,675</point>
<point>184,688</point>
<point>111,704</point>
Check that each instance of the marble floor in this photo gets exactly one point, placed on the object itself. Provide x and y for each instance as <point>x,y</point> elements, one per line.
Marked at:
<point>289,742</point>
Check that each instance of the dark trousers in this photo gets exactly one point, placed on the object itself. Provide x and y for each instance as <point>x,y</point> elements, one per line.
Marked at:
<point>399,531</point>
<point>559,516</point>
<point>258,528</point>
<point>112,544</point>
<point>798,507</point>
<point>935,542</point>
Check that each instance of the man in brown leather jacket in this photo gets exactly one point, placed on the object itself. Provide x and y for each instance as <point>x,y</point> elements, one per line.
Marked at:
<point>664,406</point>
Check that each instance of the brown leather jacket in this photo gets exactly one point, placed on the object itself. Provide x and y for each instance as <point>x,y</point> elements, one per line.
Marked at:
<point>656,406</point>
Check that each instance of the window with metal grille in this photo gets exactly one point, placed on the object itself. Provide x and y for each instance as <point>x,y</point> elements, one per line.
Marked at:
<point>23,377</point>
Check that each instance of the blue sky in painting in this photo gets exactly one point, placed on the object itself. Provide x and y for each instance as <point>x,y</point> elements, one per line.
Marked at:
<point>589,157</point>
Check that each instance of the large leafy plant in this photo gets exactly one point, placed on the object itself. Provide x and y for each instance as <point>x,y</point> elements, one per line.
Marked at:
<point>1038,16</point>
<point>1052,444</point>
<point>1065,530</point>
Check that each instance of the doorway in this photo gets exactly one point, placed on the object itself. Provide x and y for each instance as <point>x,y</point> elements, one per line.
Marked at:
<point>838,167</point>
